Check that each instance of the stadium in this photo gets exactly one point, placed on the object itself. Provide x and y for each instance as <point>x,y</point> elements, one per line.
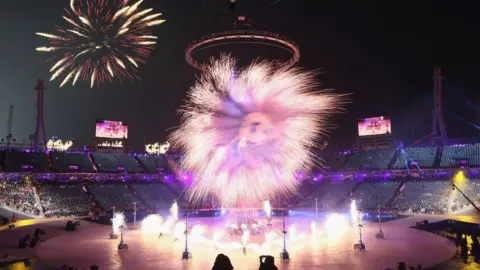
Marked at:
<point>432,188</point>
<point>250,172</point>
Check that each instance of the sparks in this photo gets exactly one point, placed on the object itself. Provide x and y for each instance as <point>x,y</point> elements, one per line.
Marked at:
<point>84,21</point>
<point>92,79</point>
<point>72,22</point>
<point>72,6</point>
<point>151,17</point>
<point>274,113</point>
<point>156,22</point>
<point>58,64</point>
<point>77,75</point>
<point>46,49</point>
<point>148,37</point>
<point>119,13</point>
<point>132,61</point>
<point>57,73</point>
<point>122,31</point>
<point>50,36</point>
<point>67,78</point>
<point>77,33</point>
<point>109,68</point>
<point>147,43</point>
<point>101,40</point>
<point>120,63</point>
<point>133,8</point>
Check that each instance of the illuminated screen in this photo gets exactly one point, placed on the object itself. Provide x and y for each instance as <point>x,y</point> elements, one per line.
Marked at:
<point>374,126</point>
<point>111,129</point>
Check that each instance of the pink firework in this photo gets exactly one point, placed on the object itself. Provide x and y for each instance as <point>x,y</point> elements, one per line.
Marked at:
<point>246,133</point>
<point>101,40</point>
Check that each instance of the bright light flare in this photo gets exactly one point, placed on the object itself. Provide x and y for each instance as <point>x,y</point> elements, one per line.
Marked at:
<point>152,224</point>
<point>245,238</point>
<point>354,212</point>
<point>174,210</point>
<point>118,221</point>
<point>336,225</point>
<point>267,208</point>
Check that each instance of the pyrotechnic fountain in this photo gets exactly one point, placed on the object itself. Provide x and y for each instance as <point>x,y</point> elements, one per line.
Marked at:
<point>118,221</point>
<point>268,212</point>
<point>354,212</point>
<point>174,210</point>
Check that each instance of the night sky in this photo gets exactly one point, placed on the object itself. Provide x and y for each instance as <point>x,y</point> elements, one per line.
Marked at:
<point>382,52</point>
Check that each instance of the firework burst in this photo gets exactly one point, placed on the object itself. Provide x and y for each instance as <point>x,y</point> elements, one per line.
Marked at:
<point>101,40</point>
<point>246,133</point>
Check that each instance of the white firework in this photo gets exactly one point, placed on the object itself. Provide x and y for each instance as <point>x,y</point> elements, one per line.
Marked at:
<point>246,133</point>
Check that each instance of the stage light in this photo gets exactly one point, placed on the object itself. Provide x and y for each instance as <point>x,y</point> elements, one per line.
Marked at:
<point>459,178</point>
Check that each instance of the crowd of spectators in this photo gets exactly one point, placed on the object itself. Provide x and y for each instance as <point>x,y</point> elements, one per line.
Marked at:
<point>19,196</point>
<point>426,197</point>
<point>373,194</point>
<point>62,200</point>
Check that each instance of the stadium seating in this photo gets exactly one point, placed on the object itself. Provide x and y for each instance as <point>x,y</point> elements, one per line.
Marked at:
<point>427,196</point>
<point>20,196</point>
<point>118,195</point>
<point>471,188</point>
<point>111,162</point>
<point>425,156</point>
<point>372,159</point>
<point>157,196</point>
<point>63,161</point>
<point>20,161</point>
<point>64,200</point>
<point>154,164</point>
<point>335,162</point>
<point>451,153</point>
<point>372,194</point>
<point>329,195</point>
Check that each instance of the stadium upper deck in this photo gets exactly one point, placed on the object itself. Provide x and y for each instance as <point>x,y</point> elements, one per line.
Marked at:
<point>410,158</point>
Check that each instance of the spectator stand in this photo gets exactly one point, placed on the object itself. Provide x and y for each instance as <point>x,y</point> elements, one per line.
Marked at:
<point>334,162</point>
<point>72,162</point>
<point>416,157</point>
<point>18,195</point>
<point>157,195</point>
<point>64,200</point>
<point>25,161</point>
<point>374,193</point>
<point>370,160</point>
<point>114,195</point>
<point>453,155</point>
<point>154,163</point>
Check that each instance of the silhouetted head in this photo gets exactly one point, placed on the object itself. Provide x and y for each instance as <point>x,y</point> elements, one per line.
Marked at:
<point>222,262</point>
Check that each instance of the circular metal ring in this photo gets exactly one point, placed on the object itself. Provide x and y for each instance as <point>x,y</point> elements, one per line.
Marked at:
<point>242,36</point>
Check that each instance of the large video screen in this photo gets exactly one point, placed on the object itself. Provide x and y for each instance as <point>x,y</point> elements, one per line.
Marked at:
<point>111,129</point>
<point>374,126</point>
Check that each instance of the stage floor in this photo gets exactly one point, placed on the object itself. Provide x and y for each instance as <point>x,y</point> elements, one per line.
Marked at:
<point>91,245</point>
